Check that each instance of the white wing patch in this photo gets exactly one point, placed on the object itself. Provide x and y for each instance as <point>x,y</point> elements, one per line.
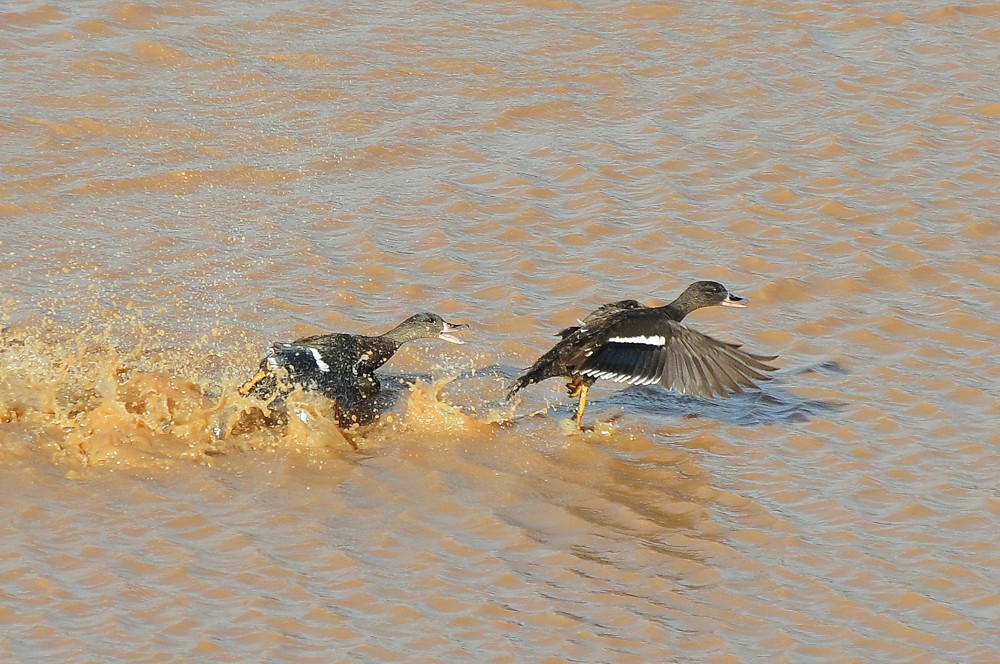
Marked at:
<point>617,377</point>
<point>655,340</point>
<point>323,366</point>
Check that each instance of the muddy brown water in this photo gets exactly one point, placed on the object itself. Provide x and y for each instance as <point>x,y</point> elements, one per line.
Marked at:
<point>183,182</point>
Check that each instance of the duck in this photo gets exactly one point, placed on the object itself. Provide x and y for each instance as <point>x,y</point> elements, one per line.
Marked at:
<point>628,342</point>
<point>342,366</point>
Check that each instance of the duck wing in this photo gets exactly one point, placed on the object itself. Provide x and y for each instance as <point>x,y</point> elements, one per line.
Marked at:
<point>603,312</point>
<point>304,364</point>
<point>336,365</point>
<point>300,358</point>
<point>563,359</point>
<point>642,350</point>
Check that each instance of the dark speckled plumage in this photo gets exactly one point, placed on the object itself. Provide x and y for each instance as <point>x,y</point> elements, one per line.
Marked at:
<point>628,342</point>
<point>342,366</point>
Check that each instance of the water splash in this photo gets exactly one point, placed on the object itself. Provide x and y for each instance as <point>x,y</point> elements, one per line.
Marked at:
<point>79,396</point>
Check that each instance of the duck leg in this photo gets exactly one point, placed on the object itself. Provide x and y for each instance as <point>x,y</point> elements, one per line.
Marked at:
<point>578,387</point>
<point>248,386</point>
<point>582,393</point>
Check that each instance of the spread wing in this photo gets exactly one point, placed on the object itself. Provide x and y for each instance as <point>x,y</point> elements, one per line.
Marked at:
<point>647,350</point>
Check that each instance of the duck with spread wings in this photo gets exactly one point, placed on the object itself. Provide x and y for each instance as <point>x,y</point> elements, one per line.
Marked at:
<point>628,342</point>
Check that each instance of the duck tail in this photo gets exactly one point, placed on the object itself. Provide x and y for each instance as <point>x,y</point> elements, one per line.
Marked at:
<point>515,386</point>
<point>546,367</point>
<point>521,382</point>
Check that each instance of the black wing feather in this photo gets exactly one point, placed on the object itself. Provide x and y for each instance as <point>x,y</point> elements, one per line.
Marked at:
<point>688,362</point>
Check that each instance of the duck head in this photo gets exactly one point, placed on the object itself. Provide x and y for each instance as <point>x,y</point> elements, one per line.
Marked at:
<point>427,326</point>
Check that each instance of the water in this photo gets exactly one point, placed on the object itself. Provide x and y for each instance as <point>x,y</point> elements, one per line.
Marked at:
<point>183,183</point>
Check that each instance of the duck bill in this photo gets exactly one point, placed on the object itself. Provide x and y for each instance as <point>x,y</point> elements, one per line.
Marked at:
<point>448,332</point>
<point>734,301</point>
